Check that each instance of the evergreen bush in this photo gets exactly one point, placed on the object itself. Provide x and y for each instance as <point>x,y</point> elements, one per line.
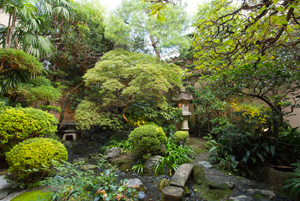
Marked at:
<point>147,139</point>
<point>181,136</point>
<point>18,124</point>
<point>33,159</point>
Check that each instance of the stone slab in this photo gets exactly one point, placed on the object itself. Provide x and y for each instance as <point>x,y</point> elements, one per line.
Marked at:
<point>172,193</point>
<point>182,174</point>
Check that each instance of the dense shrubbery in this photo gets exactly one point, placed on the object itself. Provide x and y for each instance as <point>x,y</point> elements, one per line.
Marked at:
<point>180,136</point>
<point>18,124</point>
<point>78,182</point>
<point>245,143</point>
<point>32,160</point>
<point>147,139</point>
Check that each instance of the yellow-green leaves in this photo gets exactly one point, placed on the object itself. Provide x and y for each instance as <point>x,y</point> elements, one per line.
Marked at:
<point>17,124</point>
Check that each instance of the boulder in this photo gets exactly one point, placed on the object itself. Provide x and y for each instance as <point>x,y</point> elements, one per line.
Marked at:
<point>112,152</point>
<point>265,193</point>
<point>136,184</point>
<point>5,187</point>
<point>199,176</point>
<point>150,165</point>
<point>172,193</point>
<point>125,162</point>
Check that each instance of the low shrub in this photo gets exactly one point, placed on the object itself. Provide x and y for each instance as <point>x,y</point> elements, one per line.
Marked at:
<point>147,139</point>
<point>33,159</point>
<point>181,136</point>
<point>18,124</point>
<point>174,157</point>
<point>79,181</point>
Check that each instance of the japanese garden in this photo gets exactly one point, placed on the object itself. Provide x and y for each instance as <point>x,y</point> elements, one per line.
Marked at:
<point>149,102</point>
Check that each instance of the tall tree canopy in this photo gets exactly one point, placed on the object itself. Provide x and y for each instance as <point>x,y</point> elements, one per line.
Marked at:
<point>122,78</point>
<point>131,26</point>
<point>251,33</point>
<point>27,21</point>
<point>252,50</point>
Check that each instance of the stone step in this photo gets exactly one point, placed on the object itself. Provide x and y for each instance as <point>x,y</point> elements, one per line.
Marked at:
<point>181,175</point>
<point>172,193</point>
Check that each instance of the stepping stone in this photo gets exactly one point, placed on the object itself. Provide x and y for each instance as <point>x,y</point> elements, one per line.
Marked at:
<point>172,193</point>
<point>182,174</point>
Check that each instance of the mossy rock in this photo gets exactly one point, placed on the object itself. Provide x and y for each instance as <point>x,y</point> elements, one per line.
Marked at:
<point>199,176</point>
<point>216,194</point>
<point>125,161</point>
<point>162,184</point>
<point>33,196</point>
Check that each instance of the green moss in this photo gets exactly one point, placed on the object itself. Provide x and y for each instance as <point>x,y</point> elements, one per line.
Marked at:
<point>199,176</point>
<point>33,196</point>
<point>215,194</point>
<point>162,184</point>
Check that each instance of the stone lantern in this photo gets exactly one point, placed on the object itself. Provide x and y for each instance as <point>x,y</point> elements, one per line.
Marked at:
<point>183,100</point>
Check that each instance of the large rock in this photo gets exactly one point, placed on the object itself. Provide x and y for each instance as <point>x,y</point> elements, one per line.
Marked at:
<point>5,187</point>
<point>112,152</point>
<point>136,184</point>
<point>199,176</point>
<point>125,162</point>
<point>150,165</point>
<point>172,193</point>
<point>265,193</point>
<point>182,174</point>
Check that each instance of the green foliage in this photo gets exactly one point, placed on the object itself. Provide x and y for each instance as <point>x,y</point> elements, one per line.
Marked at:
<point>32,160</point>
<point>124,145</point>
<point>88,114</point>
<point>143,111</point>
<point>122,78</point>
<point>18,124</point>
<point>294,183</point>
<point>50,107</point>
<point>132,26</point>
<point>180,136</point>
<point>83,32</point>
<point>147,139</point>
<point>243,148</point>
<point>77,181</point>
<point>39,89</point>
<point>227,38</point>
<point>16,67</point>
<point>174,157</point>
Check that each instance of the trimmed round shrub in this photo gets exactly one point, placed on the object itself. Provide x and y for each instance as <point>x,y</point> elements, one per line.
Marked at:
<point>18,124</point>
<point>147,139</point>
<point>180,136</point>
<point>33,159</point>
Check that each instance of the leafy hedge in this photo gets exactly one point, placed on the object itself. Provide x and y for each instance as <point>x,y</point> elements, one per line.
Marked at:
<point>18,124</point>
<point>147,139</point>
<point>31,160</point>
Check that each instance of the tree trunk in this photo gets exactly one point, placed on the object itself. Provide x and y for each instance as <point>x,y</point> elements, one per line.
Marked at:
<point>154,45</point>
<point>12,29</point>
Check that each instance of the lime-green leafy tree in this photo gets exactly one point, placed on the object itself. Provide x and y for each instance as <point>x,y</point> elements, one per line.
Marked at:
<point>16,67</point>
<point>121,78</point>
<point>39,89</point>
<point>19,78</point>
<point>252,50</point>
<point>79,42</point>
<point>158,7</point>
<point>132,27</point>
